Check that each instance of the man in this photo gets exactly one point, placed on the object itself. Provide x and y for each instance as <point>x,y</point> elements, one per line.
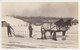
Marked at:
<point>9,30</point>
<point>30,30</point>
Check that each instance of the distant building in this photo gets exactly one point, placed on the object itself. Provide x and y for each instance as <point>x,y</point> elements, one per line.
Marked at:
<point>4,23</point>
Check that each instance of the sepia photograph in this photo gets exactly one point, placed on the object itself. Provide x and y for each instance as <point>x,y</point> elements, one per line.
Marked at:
<point>40,25</point>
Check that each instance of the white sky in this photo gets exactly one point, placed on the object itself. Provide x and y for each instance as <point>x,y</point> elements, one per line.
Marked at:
<point>53,9</point>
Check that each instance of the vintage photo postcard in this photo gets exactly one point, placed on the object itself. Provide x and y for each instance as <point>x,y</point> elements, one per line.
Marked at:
<point>39,25</point>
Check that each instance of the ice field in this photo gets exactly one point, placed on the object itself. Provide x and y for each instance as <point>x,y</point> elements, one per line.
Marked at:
<point>22,40</point>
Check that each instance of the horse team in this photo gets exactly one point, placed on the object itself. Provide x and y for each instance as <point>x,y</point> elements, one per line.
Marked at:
<point>59,26</point>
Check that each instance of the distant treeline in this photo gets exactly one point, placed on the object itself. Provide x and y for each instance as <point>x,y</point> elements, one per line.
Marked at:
<point>40,19</point>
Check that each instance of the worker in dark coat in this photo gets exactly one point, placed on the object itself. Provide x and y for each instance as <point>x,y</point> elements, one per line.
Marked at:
<point>30,30</point>
<point>9,30</point>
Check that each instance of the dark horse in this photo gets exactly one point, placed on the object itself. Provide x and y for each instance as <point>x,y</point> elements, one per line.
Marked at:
<point>59,26</point>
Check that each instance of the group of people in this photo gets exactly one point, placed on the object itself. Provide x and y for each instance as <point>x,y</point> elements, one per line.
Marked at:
<point>10,30</point>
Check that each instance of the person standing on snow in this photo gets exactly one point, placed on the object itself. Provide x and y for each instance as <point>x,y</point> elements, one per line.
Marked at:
<point>9,30</point>
<point>30,30</point>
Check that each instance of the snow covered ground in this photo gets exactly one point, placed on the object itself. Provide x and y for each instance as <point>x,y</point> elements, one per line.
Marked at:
<point>22,39</point>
